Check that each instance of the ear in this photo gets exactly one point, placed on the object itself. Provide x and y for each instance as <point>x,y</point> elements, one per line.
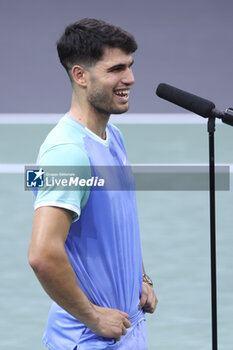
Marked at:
<point>79,75</point>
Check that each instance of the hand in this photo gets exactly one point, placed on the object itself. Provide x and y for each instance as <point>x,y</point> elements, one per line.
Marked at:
<point>148,300</point>
<point>111,323</point>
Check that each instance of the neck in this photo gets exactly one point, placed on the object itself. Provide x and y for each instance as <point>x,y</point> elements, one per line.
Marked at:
<point>88,116</point>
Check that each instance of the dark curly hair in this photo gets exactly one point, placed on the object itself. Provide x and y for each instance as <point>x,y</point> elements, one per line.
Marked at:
<point>83,42</point>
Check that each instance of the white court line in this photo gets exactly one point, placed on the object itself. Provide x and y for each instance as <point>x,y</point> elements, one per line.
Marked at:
<point>10,168</point>
<point>126,118</point>
<point>18,168</point>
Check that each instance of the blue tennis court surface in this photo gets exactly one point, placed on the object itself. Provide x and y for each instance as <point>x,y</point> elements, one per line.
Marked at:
<point>174,231</point>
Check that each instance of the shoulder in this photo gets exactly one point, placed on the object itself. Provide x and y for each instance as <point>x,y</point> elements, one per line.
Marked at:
<point>64,154</point>
<point>64,145</point>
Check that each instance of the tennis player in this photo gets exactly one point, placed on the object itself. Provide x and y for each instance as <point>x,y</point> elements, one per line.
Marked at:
<point>85,247</point>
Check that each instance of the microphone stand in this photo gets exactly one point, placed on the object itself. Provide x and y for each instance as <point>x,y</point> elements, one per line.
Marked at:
<point>205,109</point>
<point>211,130</point>
<point>227,118</point>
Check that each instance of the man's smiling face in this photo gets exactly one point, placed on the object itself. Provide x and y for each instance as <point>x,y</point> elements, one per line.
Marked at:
<point>109,82</point>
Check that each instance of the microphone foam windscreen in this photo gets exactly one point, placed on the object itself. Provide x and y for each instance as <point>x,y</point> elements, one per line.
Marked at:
<point>186,100</point>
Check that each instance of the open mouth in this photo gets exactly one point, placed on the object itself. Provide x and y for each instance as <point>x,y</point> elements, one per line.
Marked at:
<point>123,94</point>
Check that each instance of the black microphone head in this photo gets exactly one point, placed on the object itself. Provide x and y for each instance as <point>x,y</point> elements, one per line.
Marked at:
<point>228,116</point>
<point>186,100</point>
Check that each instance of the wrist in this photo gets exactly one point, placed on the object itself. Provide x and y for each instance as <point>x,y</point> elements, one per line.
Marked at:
<point>93,319</point>
<point>147,279</point>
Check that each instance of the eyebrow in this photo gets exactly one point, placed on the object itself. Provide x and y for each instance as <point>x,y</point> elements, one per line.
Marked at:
<point>120,66</point>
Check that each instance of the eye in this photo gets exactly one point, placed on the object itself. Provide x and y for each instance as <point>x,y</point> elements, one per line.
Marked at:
<point>117,69</point>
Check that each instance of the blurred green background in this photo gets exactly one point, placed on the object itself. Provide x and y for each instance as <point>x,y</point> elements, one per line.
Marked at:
<point>174,231</point>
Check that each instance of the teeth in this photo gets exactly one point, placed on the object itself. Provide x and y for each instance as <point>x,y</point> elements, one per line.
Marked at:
<point>122,92</point>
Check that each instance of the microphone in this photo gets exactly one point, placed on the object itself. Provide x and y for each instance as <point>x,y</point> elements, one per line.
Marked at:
<point>228,116</point>
<point>192,103</point>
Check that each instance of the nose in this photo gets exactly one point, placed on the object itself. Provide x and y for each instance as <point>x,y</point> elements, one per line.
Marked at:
<point>128,77</point>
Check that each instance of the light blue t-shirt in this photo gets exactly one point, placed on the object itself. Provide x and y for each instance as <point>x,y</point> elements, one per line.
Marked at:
<point>103,244</point>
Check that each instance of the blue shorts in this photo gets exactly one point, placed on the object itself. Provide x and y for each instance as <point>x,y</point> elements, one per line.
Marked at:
<point>135,339</point>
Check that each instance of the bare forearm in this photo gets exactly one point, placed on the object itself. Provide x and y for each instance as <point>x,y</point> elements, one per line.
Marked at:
<point>143,268</point>
<point>59,280</point>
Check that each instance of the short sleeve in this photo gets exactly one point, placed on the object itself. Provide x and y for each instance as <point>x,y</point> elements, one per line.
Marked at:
<point>65,155</point>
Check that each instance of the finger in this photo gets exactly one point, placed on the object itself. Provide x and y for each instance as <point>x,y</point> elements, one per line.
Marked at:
<point>126,323</point>
<point>142,301</point>
<point>151,306</point>
<point>124,331</point>
<point>118,338</point>
<point>154,302</point>
<point>148,309</point>
<point>151,301</point>
<point>124,314</point>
